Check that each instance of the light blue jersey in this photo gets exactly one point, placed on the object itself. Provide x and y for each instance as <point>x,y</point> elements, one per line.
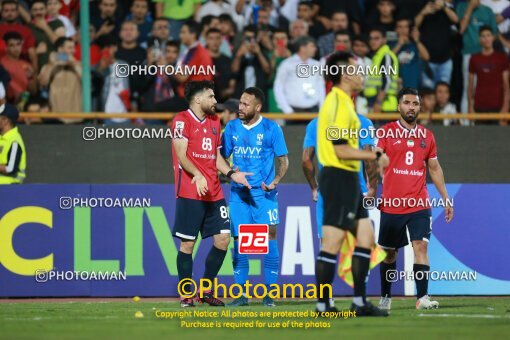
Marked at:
<point>253,149</point>
<point>366,138</point>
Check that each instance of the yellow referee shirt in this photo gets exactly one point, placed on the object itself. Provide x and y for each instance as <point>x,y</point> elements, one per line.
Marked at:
<point>337,120</point>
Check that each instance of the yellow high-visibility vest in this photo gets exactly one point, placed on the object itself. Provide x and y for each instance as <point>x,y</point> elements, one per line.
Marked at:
<point>6,142</point>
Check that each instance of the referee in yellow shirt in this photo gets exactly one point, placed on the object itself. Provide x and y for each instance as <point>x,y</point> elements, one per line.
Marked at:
<point>338,151</point>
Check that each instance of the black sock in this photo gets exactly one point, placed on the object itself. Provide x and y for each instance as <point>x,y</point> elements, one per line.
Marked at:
<point>385,284</point>
<point>325,274</point>
<point>184,265</point>
<point>360,265</point>
<point>421,272</point>
<point>213,262</point>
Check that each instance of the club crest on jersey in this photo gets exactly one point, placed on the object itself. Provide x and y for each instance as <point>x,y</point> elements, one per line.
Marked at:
<point>410,143</point>
<point>205,130</point>
<point>260,136</point>
<point>179,125</point>
<point>423,144</point>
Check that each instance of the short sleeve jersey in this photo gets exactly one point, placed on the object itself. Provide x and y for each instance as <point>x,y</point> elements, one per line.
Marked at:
<point>203,138</point>
<point>405,177</point>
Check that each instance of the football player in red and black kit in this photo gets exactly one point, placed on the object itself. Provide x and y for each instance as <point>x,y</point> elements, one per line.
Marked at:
<point>411,149</point>
<point>200,206</point>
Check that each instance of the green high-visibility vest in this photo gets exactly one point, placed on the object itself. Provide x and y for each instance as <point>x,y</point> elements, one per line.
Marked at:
<point>373,81</point>
<point>6,141</point>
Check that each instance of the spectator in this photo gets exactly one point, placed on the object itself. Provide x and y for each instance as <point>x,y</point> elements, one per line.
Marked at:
<point>160,93</point>
<point>298,28</point>
<point>139,14</point>
<point>227,111</point>
<point>130,51</point>
<point>384,18</point>
<point>159,38</point>
<point>491,92</point>
<point>325,9</point>
<point>443,104</point>
<point>37,104</point>
<point>411,53</point>
<point>228,28</point>
<point>497,8</point>
<point>21,72</point>
<point>107,20</point>
<point>326,43</point>
<point>10,18</point>
<point>305,13</point>
<point>208,22</point>
<point>435,22</point>
<point>195,55</point>
<point>250,66</point>
<point>360,50</point>
<point>53,14</point>
<point>114,97</point>
<point>95,51</point>
<point>224,82</point>
<point>276,19</point>
<point>428,105</point>
<point>278,53</point>
<point>70,9</point>
<point>45,33</point>
<point>177,12</point>
<point>296,92</point>
<point>264,30</point>
<point>472,16</point>
<point>219,7</point>
<point>381,88</point>
<point>62,77</point>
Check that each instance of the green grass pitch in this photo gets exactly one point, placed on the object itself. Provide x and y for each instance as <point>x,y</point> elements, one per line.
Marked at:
<point>457,317</point>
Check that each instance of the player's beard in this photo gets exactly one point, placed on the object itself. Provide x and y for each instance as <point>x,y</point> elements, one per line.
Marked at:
<point>410,117</point>
<point>246,116</point>
<point>211,110</point>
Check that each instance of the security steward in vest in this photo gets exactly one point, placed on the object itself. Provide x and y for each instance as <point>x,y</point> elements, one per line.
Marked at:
<point>381,87</point>
<point>12,149</point>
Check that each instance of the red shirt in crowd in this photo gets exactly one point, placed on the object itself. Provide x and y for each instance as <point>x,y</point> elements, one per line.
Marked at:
<point>200,58</point>
<point>489,80</point>
<point>406,176</point>
<point>203,143</point>
<point>25,32</point>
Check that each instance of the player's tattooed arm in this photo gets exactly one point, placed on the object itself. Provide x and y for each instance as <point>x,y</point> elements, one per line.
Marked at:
<point>309,169</point>
<point>371,173</point>
<point>437,176</point>
<point>281,170</point>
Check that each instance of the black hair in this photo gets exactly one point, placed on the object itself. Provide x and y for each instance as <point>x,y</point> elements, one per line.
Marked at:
<point>12,35</point>
<point>193,27</point>
<point>173,43</point>
<point>302,41</point>
<point>360,37</point>
<point>342,32</point>
<point>61,41</point>
<point>485,28</point>
<point>212,30</point>
<point>191,88</point>
<point>258,93</point>
<point>37,1</point>
<point>338,11</point>
<point>377,29</point>
<point>306,3</point>
<point>426,91</point>
<point>337,58</point>
<point>441,83</point>
<point>107,40</point>
<point>9,2</point>
<point>250,28</point>
<point>206,20</point>
<point>407,90</point>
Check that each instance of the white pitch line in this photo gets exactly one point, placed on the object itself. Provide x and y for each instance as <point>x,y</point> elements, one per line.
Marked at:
<point>483,316</point>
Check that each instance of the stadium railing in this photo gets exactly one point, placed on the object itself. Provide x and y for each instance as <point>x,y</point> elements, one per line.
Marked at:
<point>289,117</point>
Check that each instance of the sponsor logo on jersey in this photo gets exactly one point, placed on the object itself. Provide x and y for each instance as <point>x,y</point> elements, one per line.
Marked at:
<point>179,125</point>
<point>247,151</point>
<point>423,144</point>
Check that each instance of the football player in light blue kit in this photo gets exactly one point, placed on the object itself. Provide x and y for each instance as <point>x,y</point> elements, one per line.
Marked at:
<point>254,142</point>
<point>366,141</point>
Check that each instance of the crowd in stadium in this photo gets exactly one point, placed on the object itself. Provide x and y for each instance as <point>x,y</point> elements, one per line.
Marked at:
<point>455,52</point>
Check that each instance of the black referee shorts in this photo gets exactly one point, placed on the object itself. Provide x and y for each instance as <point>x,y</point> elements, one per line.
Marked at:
<point>342,197</point>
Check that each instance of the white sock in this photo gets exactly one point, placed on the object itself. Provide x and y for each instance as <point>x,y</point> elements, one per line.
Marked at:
<point>358,301</point>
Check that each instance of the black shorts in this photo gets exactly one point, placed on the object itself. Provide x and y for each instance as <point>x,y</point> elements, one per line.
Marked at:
<point>193,216</point>
<point>342,198</point>
<point>392,231</point>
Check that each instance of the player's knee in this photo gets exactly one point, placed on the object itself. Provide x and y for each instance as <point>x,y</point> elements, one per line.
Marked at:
<point>187,247</point>
<point>221,241</point>
<point>331,246</point>
<point>272,233</point>
<point>391,256</point>
<point>420,247</point>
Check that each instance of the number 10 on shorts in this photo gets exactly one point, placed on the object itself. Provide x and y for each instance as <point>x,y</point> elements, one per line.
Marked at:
<point>253,239</point>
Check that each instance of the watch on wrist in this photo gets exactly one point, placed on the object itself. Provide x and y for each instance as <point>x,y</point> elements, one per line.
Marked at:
<point>230,173</point>
<point>378,155</point>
